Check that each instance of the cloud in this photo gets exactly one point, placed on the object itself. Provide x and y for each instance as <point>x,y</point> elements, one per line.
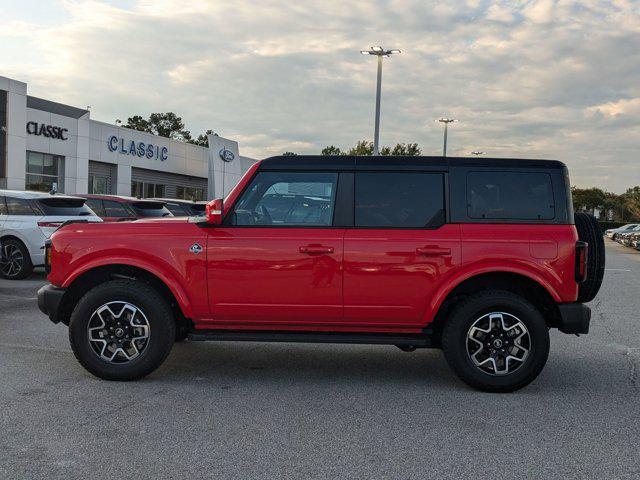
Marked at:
<point>555,79</point>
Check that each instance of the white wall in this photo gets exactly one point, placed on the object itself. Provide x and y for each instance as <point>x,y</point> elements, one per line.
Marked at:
<point>16,131</point>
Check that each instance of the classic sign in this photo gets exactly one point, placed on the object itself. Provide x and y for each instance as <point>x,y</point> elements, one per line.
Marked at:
<point>49,131</point>
<point>138,149</point>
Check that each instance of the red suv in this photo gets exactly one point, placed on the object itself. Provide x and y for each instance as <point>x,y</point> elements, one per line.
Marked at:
<point>478,257</point>
<point>117,208</point>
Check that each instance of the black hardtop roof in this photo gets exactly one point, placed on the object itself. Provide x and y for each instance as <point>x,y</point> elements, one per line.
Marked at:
<point>349,162</point>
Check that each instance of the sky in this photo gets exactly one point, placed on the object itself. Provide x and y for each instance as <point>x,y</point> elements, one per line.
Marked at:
<point>533,79</point>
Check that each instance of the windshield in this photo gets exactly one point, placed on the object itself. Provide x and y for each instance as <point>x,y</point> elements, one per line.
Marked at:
<point>150,209</point>
<point>64,207</point>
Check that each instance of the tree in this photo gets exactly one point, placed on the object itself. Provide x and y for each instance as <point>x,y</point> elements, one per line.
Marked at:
<point>167,125</point>
<point>202,140</point>
<point>331,150</point>
<point>364,147</point>
<point>289,154</point>
<point>587,198</point>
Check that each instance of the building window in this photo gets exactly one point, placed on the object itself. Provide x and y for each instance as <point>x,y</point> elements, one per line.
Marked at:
<point>190,193</point>
<point>147,190</point>
<point>98,185</point>
<point>44,172</point>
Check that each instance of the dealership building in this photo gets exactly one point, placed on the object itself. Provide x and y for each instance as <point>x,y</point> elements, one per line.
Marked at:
<point>46,145</point>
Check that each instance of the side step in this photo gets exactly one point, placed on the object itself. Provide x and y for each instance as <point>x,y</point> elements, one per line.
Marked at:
<point>423,340</point>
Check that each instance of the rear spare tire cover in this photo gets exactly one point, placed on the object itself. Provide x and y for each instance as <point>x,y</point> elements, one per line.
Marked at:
<point>589,231</point>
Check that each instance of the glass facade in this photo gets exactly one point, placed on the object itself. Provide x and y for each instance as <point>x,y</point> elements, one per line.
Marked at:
<point>147,190</point>
<point>190,193</point>
<point>44,172</point>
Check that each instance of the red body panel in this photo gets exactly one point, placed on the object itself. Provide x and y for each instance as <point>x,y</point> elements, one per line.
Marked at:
<point>323,279</point>
<point>275,276</point>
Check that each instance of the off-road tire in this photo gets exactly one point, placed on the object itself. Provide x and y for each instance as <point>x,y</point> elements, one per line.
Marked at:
<point>456,328</point>
<point>589,231</point>
<point>161,329</point>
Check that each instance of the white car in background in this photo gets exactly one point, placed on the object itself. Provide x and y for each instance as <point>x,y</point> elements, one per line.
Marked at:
<point>27,220</point>
<point>611,233</point>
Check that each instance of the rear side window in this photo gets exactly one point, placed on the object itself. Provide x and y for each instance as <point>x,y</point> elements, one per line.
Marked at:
<point>510,195</point>
<point>176,209</point>
<point>95,205</point>
<point>19,206</point>
<point>399,200</point>
<point>150,209</point>
<point>64,207</point>
<point>114,209</point>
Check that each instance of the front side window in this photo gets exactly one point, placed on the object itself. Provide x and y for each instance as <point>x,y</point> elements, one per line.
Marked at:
<point>3,206</point>
<point>399,200</point>
<point>19,206</point>
<point>287,199</point>
<point>510,196</point>
<point>44,172</point>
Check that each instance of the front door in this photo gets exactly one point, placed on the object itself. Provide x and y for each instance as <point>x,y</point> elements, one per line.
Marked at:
<point>400,250</point>
<point>277,261</point>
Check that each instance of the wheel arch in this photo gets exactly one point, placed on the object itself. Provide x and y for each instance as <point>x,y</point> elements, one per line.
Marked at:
<point>518,283</point>
<point>84,281</point>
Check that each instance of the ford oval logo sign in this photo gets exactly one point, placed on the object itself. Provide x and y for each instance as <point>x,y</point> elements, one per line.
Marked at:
<point>226,155</point>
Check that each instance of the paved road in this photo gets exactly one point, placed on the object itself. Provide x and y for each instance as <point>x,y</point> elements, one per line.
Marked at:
<point>234,410</point>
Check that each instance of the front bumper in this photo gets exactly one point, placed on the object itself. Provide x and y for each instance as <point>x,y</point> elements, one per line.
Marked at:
<point>49,298</point>
<point>574,318</point>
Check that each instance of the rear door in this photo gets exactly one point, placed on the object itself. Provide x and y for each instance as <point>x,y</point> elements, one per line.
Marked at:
<point>400,251</point>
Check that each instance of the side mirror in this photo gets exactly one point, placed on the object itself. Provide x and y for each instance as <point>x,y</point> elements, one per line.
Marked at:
<point>214,212</point>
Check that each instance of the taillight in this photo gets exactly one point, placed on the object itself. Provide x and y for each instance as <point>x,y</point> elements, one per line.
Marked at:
<point>47,256</point>
<point>50,224</point>
<point>582,252</point>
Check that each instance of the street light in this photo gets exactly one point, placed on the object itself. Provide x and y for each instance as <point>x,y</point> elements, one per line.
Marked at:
<point>378,52</point>
<point>446,122</point>
<point>477,153</point>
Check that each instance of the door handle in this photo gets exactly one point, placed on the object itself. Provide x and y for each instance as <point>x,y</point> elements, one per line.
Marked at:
<point>315,249</point>
<point>433,251</point>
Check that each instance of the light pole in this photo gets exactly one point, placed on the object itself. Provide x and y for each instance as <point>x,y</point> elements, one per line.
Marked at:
<point>378,52</point>
<point>446,122</point>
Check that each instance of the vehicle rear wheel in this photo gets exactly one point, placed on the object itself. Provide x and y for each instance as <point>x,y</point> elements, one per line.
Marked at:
<point>589,231</point>
<point>496,341</point>
<point>15,261</point>
<point>121,330</point>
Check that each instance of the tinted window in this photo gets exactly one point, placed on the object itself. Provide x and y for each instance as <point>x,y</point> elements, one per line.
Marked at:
<point>3,206</point>
<point>19,206</point>
<point>64,207</point>
<point>288,199</point>
<point>510,195</point>
<point>150,209</point>
<point>114,209</point>
<point>95,205</point>
<point>399,200</point>
<point>176,209</point>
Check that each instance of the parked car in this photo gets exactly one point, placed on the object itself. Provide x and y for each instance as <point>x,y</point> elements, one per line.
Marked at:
<point>479,257</point>
<point>118,208</point>
<point>625,237</point>
<point>183,208</point>
<point>27,219</point>
<point>612,232</point>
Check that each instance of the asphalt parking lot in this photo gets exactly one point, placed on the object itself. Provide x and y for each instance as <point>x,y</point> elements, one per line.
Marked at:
<point>247,410</point>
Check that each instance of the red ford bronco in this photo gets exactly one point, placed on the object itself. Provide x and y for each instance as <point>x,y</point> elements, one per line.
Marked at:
<point>478,257</point>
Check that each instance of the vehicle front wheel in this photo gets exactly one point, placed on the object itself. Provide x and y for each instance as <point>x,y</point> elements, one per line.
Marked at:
<point>496,341</point>
<point>121,330</point>
<point>15,261</point>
